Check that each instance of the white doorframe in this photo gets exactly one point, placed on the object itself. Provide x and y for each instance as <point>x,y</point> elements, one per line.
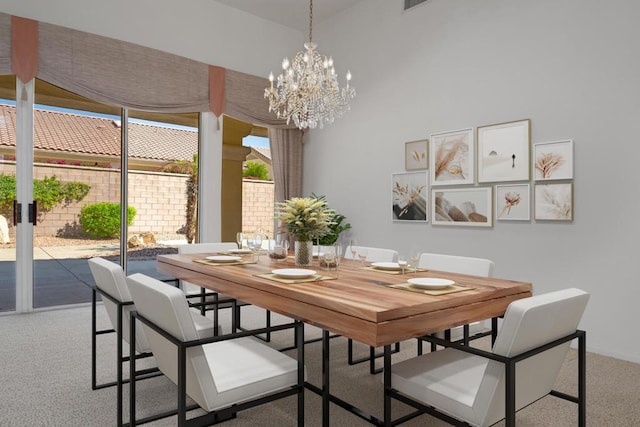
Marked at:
<point>24,194</point>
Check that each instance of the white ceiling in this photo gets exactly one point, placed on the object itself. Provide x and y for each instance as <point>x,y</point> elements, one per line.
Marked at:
<point>291,13</point>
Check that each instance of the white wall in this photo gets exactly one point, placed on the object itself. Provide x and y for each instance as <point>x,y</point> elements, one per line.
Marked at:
<point>571,66</point>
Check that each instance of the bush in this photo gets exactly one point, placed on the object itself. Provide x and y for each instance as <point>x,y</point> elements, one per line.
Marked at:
<point>48,192</point>
<point>256,170</point>
<point>102,220</point>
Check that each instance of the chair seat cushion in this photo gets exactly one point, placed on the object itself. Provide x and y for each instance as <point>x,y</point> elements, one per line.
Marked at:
<point>246,368</point>
<point>446,379</point>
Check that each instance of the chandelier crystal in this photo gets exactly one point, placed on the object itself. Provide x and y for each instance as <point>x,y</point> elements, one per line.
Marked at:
<point>307,91</point>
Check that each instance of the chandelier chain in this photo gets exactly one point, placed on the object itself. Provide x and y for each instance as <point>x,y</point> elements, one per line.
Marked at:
<point>310,19</point>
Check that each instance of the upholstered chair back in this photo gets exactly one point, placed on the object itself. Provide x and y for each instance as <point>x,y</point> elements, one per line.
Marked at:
<point>456,264</point>
<point>110,278</point>
<point>375,254</point>
<point>530,323</point>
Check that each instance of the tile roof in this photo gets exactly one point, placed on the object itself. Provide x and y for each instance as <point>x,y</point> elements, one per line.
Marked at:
<point>75,133</point>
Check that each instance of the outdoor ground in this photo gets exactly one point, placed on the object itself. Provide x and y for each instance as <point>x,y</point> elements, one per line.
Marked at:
<point>149,251</point>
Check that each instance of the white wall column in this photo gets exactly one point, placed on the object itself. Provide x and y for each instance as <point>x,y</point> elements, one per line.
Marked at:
<point>210,178</point>
<point>24,195</point>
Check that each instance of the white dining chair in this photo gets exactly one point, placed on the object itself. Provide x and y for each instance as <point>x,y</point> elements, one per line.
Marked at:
<point>111,284</point>
<point>464,384</point>
<point>223,374</point>
<point>193,290</point>
<point>373,255</point>
<point>461,265</point>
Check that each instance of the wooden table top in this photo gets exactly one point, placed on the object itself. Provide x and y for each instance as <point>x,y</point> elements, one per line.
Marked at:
<point>358,304</point>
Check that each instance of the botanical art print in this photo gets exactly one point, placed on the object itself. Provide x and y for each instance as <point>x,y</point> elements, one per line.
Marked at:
<point>451,158</point>
<point>416,155</point>
<point>553,160</point>
<point>503,152</point>
<point>409,196</point>
<point>554,202</point>
<point>469,207</point>
<point>513,202</point>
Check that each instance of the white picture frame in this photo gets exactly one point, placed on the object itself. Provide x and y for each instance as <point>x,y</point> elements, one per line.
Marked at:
<point>451,158</point>
<point>553,160</point>
<point>416,155</point>
<point>553,201</point>
<point>466,207</point>
<point>409,196</point>
<point>513,202</point>
<point>504,152</point>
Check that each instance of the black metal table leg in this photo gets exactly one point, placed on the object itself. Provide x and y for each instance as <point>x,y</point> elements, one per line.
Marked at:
<point>582,380</point>
<point>387,385</point>
<point>325,379</point>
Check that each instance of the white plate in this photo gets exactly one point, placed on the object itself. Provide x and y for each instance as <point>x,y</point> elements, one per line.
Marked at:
<point>431,283</point>
<point>240,251</point>
<point>386,265</point>
<point>224,258</point>
<point>294,273</point>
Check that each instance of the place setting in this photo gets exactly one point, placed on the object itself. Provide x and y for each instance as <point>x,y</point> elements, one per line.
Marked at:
<point>431,286</point>
<point>220,260</point>
<point>294,275</point>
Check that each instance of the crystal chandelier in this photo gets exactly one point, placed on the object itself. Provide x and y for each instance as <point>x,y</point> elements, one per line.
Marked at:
<point>307,90</point>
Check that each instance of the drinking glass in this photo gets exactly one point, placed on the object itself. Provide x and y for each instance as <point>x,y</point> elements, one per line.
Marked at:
<point>278,248</point>
<point>328,259</point>
<point>239,239</point>
<point>402,262</point>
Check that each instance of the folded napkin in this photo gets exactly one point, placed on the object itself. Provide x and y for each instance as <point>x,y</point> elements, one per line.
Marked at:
<point>276,278</point>
<point>448,290</point>
<point>220,264</point>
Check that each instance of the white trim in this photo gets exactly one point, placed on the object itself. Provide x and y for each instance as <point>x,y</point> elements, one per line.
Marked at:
<point>210,178</point>
<point>24,194</point>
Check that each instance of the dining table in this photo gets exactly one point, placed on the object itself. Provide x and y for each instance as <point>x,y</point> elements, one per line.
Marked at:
<point>375,306</point>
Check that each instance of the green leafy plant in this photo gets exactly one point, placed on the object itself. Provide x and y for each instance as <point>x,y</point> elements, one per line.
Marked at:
<point>102,220</point>
<point>335,228</point>
<point>47,192</point>
<point>256,170</point>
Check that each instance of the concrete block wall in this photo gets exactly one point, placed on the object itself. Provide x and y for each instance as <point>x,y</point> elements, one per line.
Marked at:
<point>159,199</point>
<point>258,206</point>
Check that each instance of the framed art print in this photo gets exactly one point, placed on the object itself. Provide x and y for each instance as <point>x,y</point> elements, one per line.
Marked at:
<point>469,207</point>
<point>409,196</point>
<point>416,155</point>
<point>513,202</point>
<point>503,152</point>
<point>554,202</point>
<point>553,160</point>
<point>451,158</point>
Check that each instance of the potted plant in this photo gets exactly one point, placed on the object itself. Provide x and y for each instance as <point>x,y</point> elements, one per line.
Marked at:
<point>307,219</point>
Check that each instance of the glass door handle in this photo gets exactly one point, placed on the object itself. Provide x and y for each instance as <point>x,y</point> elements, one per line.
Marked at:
<point>33,213</point>
<point>17,212</point>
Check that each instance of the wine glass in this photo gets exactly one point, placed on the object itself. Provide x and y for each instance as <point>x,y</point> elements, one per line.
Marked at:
<point>239,239</point>
<point>362,254</point>
<point>254,241</point>
<point>414,258</point>
<point>354,250</point>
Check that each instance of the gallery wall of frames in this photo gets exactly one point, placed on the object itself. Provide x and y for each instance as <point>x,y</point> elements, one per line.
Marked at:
<point>473,177</point>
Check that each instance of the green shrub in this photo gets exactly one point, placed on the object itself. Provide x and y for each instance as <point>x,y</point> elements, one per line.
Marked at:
<point>256,170</point>
<point>102,220</point>
<point>48,192</point>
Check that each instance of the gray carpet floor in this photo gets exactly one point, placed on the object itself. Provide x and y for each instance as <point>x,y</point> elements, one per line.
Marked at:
<point>45,366</point>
